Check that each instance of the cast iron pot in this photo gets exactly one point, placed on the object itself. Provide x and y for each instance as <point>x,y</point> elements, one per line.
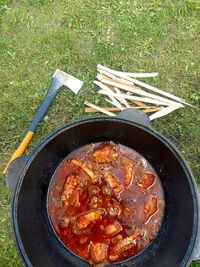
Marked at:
<point>36,240</point>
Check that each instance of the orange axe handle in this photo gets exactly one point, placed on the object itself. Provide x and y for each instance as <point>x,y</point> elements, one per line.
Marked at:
<point>20,150</point>
<point>55,86</point>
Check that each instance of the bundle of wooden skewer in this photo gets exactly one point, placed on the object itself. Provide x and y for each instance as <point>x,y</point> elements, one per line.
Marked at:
<point>123,90</point>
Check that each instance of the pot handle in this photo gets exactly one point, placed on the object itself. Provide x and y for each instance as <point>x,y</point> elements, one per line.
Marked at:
<point>196,251</point>
<point>13,172</point>
<point>135,116</point>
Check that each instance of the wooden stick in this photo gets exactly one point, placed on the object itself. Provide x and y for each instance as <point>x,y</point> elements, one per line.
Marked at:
<point>142,84</point>
<point>122,100</point>
<point>130,97</point>
<point>130,74</point>
<point>140,75</point>
<point>99,109</point>
<point>122,82</point>
<point>148,110</point>
<point>140,92</point>
<point>140,104</point>
<point>95,110</point>
<point>115,102</point>
<point>162,113</point>
<point>110,76</point>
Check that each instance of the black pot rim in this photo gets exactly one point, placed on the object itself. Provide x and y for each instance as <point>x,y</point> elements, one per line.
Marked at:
<point>151,131</point>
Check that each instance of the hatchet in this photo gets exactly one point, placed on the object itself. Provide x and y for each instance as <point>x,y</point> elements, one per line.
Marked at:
<point>60,79</point>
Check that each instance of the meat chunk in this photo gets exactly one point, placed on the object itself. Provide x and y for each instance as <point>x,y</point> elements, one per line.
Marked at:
<point>115,208</point>
<point>88,217</point>
<point>113,229</point>
<point>75,198</point>
<point>83,240</point>
<point>106,154</point>
<point>68,188</point>
<point>146,180</point>
<point>129,213</point>
<point>129,170</point>
<point>93,190</point>
<point>64,222</point>
<point>113,182</point>
<point>116,239</point>
<point>95,202</point>
<point>84,167</point>
<point>79,232</point>
<point>106,190</point>
<point>150,208</point>
<point>98,252</point>
<point>125,244</point>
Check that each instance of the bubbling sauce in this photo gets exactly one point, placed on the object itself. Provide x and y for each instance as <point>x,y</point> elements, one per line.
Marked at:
<point>106,202</point>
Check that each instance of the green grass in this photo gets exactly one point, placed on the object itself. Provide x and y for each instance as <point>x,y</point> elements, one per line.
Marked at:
<point>39,36</point>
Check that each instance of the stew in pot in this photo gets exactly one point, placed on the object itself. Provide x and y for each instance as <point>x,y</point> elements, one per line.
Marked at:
<point>106,202</point>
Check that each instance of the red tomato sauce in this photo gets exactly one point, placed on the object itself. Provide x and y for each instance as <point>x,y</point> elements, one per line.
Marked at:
<point>106,202</point>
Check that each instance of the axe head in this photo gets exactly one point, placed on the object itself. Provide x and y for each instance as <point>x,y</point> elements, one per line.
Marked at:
<point>68,80</point>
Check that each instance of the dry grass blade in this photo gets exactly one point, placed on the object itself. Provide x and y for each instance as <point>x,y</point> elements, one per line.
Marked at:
<point>99,109</point>
<point>162,113</point>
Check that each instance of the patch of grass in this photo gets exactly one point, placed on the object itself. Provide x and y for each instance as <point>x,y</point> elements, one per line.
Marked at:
<point>39,36</point>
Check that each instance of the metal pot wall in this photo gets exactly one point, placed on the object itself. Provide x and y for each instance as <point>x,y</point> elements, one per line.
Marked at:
<point>176,243</point>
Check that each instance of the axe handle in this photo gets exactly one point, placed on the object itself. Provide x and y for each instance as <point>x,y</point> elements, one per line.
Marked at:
<point>55,86</point>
